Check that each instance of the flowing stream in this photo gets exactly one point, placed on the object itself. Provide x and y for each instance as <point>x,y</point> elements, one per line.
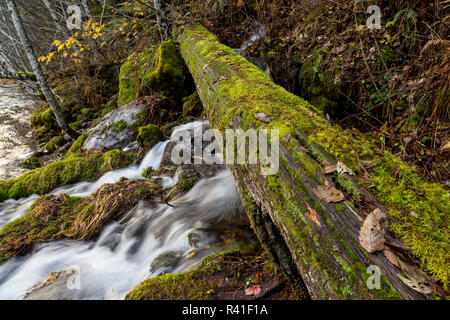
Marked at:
<point>174,238</point>
<point>16,141</point>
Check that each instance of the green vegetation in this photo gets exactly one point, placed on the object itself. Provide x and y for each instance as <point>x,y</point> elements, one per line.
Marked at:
<point>54,217</point>
<point>148,136</point>
<point>74,168</point>
<point>152,70</point>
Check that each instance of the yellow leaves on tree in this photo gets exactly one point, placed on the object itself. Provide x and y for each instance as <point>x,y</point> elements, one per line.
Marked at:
<point>91,30</point>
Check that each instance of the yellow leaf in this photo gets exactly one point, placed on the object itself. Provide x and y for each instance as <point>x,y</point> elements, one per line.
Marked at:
<point>74,54</point>
<point>60,47</point>
<point>193,254</point>
<point>56,43</point>
<point>65,54</point>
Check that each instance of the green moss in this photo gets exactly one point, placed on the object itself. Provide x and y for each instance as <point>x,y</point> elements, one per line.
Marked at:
<point>182,286</point>
<point>187,179</point>
<point>77,145</point>
<point>243,90</point>
<point>54,143</point>
<point>54,217</point>
<point>349,186</point>
<point>153,70</point>
<point>148,136</point>
<point>166,73</point>
<point>118,126</point>
<point>31,163</point>
<point>131,74</point>
<point>192,105</point>
<point>74,168</point>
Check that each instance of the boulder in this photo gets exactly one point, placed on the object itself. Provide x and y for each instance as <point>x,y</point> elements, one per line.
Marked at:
<point>117,129</point>
<point>153,70</point>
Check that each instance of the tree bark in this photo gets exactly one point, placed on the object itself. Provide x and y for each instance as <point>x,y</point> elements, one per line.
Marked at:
<point>48,93</point>
<point>315,241</point>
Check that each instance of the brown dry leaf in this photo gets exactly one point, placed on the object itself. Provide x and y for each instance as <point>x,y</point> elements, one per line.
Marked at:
<point>445,147</point>
<point>391,257</point>
<point>262,117</point>
<point>312,215</point>
<point>329,193</point>
<point>330,169</point>
<point>414,278</point>
<point>371,235</point>
<point>342,168</point>
<point>240,3</point>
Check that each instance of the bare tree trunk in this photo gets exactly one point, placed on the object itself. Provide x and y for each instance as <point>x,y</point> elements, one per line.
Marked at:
<point>48,93</point>
<point>161,18</point>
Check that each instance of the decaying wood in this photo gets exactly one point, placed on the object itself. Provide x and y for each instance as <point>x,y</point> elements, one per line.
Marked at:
<point>316,244</point>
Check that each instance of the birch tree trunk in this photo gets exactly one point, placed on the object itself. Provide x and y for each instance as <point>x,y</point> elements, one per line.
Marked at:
<point>48,93</point>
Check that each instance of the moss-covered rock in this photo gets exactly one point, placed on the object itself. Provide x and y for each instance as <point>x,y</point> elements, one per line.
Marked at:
<point>31,163</point>
<point>54,143</point>
<point>156,69</point>
<point>166,74</point>
<point>54,217</point>
<point>74,168</point>
<point>148,136</point>
<point>221,276</point>
<point>77,145</point>
<point>44,123</point>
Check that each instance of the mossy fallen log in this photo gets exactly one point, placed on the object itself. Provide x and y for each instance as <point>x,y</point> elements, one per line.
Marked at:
<point>317,242</point>
<point>74,168</point>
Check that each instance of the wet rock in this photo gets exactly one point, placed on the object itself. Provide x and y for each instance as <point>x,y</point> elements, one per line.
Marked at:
<point>148,136</point>
<point>117,129</point>
<point>58,286</point>
<point>167,260</point>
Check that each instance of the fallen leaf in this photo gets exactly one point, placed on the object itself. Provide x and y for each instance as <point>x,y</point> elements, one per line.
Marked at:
<point>391,257</point>
<point>414,278</point>
<point>342,168</point>
<point>329,193</point>
<point>193,253</point>
<point>262,117</point>
<point>330,169</point>
<point>249,291</point>
<point>371,235</point>
<point>312,215</point>
<point>256,290</point>
<point>445,147</point>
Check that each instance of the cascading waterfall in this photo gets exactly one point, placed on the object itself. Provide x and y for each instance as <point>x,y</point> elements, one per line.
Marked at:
<point>131,249</point>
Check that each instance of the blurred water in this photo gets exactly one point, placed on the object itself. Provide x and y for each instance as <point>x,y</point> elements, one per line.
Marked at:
<point>121,257</point>
<point>16,142</point>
